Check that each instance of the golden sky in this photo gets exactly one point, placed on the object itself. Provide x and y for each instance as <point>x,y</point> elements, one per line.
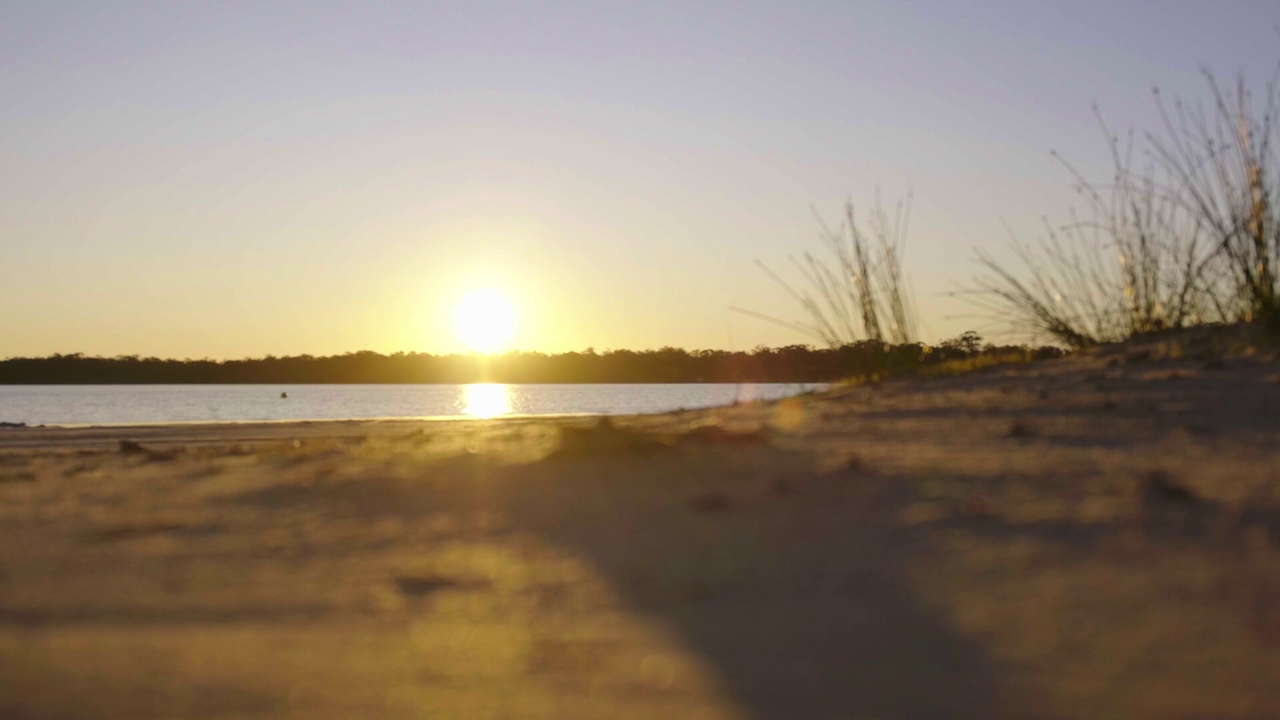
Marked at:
<point>238,179</point>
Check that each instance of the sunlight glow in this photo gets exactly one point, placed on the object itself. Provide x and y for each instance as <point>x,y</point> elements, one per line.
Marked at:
<point>486,400</point>
<point>485,321</point>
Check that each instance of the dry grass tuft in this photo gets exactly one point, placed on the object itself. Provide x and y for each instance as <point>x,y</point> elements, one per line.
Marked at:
<point>863,294</point>
<point>1190,237</point>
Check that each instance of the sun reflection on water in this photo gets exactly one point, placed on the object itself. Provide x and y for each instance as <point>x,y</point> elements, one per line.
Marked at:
<point>486,400</point>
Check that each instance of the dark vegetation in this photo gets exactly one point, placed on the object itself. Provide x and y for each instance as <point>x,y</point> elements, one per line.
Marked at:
<point>794,363</point>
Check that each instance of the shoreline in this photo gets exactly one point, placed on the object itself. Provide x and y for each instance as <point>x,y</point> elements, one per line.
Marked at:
<point>286,421</point>
<point>94,407</point>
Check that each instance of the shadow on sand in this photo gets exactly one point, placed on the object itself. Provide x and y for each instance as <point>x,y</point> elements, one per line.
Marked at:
<point>792,585</point>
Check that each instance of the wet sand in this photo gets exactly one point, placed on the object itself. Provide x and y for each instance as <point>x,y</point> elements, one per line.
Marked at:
<point>1094,537</point>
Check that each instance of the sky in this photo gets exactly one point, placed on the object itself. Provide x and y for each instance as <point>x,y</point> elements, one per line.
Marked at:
<point>234,179</point>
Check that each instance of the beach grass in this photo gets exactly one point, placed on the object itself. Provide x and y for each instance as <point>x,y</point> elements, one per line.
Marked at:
<point>859,291</point>
<point>1185,233</point>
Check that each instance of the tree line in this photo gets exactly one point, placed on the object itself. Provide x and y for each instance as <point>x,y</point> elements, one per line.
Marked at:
<point>792,363</point>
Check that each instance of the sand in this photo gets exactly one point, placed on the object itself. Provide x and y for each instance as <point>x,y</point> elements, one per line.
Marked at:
<point>1093,537</point>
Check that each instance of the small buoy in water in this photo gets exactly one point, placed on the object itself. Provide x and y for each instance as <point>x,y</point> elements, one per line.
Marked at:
<point>284,394</point>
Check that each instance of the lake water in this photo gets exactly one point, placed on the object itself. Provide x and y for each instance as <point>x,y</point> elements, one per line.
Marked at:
<point>116,404</point>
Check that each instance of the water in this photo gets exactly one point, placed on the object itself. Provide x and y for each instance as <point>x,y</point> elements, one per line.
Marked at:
<point>116,404</point>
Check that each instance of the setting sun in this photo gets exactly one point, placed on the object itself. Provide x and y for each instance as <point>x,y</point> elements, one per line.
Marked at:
<point>485,321</point>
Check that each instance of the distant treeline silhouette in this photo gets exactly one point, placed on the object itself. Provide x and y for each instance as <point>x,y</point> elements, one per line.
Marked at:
<point>793,363</point>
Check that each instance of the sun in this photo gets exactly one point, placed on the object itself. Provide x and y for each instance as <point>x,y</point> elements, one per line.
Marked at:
<point>485,321</point>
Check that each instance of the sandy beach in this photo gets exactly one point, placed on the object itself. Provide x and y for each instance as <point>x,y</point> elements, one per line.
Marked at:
<point>1091,537</point>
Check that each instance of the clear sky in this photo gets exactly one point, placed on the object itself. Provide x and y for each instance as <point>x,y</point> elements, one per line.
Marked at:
<point>229,179</point>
